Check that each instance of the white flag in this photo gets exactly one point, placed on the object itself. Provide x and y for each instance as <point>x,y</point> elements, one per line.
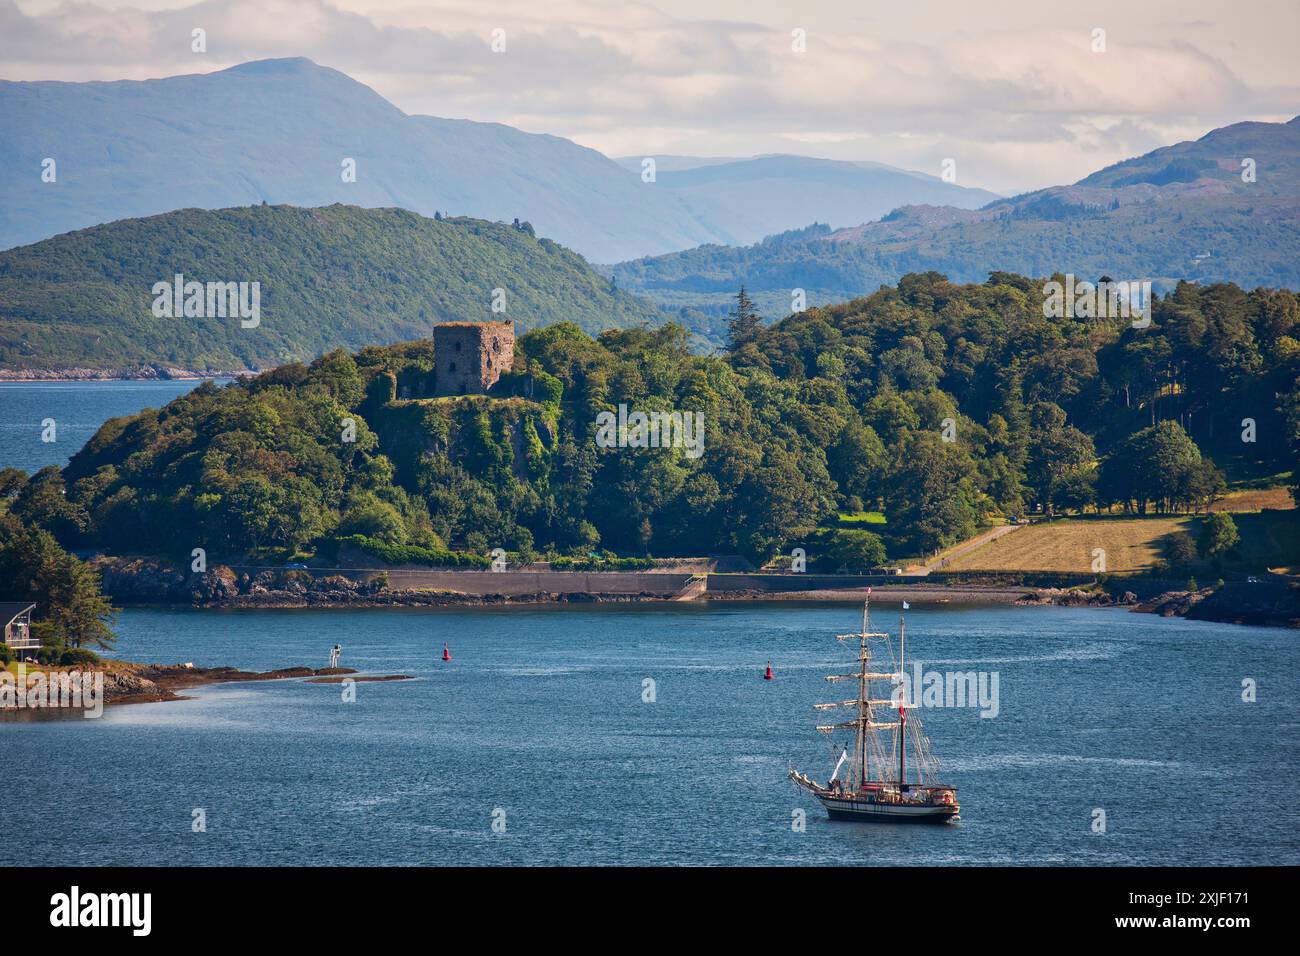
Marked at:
<point>906,605</point>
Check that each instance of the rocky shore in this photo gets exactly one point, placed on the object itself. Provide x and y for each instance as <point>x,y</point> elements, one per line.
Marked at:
<point>145,581</point>
<point>129,683</point>
<point>131,373</point>
<point>1264,603</point>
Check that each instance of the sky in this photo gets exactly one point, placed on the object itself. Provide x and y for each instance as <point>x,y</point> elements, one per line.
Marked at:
<point>1019,94</point>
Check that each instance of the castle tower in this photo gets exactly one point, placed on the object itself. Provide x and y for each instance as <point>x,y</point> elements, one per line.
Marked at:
<point>469,357</point>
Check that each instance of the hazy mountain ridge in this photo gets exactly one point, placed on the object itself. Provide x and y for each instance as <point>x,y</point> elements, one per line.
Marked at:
<point>1179,212</point>
<point>279,130</point>
<point>763,195</point>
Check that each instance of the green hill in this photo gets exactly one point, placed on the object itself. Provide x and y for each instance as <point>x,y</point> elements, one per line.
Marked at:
<point>943,407</point>
<point>337,276</point>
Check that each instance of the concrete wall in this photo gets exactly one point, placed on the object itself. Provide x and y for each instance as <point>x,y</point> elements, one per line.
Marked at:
<point>776,583</point>
<point>531,582</point>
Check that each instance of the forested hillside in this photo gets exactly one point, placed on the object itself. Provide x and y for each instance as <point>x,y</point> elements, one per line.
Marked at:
<point>332,277</point>
<point>942,405</point>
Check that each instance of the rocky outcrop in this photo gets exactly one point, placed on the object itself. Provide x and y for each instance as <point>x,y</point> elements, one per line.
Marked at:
<point>1173,603</point>
<point>1271,602</point>
<point>1076,597</point>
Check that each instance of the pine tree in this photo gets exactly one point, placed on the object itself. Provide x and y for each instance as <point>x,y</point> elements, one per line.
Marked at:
<point>745,321</point>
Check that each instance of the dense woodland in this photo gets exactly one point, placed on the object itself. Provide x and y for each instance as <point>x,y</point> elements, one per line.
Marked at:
<point>840,409</point>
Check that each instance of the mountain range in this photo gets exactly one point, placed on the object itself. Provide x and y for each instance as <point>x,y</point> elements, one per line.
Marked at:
<point>280,131</point>
<point>1223,208</point>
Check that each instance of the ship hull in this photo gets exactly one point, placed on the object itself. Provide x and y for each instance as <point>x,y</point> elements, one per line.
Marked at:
<point>869,812</point>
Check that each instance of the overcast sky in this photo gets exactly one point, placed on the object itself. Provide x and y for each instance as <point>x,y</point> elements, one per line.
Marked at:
<point>1010,89</point>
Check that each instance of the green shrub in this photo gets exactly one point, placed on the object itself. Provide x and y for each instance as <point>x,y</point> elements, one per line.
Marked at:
<point>605,563</point>
<point>413,554</point>
<point>74,656</point>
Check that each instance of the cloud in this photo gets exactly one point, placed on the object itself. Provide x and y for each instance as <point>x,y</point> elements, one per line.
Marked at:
<point>1018,108</point>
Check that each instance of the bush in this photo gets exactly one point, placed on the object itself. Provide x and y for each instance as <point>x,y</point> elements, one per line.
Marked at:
<point>413,554</point>
<point>74,656</point>
<point>1219,535</point>
<point>1180,549</point>
<point>604,563</point>
<point>6,655</point>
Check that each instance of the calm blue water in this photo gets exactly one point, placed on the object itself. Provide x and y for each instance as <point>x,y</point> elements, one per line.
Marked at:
<point>540,714</point>
<point>78,409</point>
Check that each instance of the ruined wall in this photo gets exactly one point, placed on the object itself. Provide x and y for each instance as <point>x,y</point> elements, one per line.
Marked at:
<point>469,357</point>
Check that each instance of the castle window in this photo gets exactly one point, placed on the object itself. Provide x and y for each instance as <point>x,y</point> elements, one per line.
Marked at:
<point>489,361</point>
<point>496,345</point>
<point>451,367</point>
<point>457,346</point>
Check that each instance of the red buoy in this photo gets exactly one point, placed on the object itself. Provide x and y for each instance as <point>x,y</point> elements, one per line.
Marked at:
<point>767,675</point>
<point>446,652</point>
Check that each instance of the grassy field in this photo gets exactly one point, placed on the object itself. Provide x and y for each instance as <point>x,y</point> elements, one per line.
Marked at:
<point>1131,544</point>
<point>1268,539</point>
<point>1255,499</point>
<point>859,519</point>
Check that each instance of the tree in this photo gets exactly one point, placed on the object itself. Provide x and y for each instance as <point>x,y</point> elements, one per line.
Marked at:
<point>71,610</point>
<point>745,321</point>
<point>1180,549</point>
<point>931,498</point>
<point>1075,491</point>
<point>1218,536</point>
<point>1057,452</point>
<point>848,550</point>
<point>1160,466</point>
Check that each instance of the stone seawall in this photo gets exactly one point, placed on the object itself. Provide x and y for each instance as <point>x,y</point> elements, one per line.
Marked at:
<point>530,582</point>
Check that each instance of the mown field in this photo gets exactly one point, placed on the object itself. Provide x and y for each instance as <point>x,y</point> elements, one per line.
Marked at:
<point>1268,539</point>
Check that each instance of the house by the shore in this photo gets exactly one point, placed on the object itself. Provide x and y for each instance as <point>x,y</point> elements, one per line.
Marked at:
<point>16,616</point>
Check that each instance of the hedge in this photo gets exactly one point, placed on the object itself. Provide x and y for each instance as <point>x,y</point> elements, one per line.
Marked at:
<point>413,554</point>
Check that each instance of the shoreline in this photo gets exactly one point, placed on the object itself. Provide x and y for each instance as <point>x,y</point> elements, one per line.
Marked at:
<point>143,582</point>
<point>128,682</point>
<point>281,600</point>
<point>145,374</point>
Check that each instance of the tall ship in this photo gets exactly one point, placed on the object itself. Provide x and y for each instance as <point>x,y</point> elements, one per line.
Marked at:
<point>876,785</point>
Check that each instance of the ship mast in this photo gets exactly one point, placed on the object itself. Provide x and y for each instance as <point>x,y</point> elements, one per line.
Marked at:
<point>902,709</point>
<point>864,723</point>
<point>864,708</point>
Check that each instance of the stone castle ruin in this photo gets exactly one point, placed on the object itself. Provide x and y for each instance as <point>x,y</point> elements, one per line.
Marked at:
<point>469,357</point>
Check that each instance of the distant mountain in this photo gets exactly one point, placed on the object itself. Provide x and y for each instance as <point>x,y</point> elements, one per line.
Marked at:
<point>753,198</point>
<point>327,277</point>
<point>279,130</point>
<point>1180,212</point>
